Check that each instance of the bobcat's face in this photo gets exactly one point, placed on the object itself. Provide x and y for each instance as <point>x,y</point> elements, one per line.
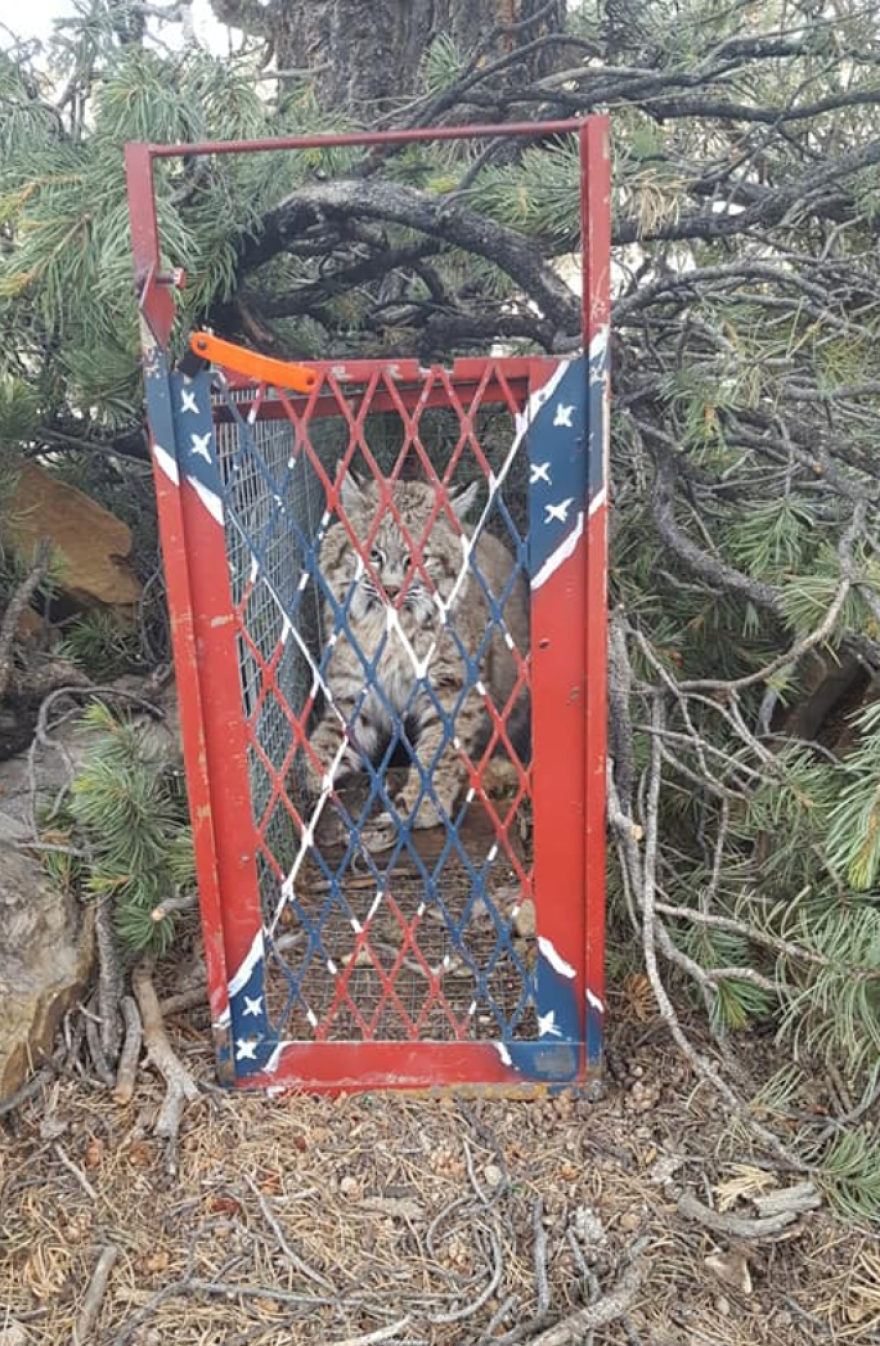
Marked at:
<point>391,557</point>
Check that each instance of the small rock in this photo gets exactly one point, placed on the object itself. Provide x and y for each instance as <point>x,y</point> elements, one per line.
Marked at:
<point>723,1306</point>
<point>493,1175</point>
<point>348,1185</point>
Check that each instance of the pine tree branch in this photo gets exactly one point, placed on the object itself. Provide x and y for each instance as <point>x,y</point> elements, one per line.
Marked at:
<point>709,569</point>
<point>438,217</point>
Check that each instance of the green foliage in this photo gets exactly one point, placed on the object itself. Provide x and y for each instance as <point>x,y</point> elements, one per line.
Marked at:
<point>128,813</point>
<point>443,64</point>
<point>850,1174</point>
<point>540,194</point>
<point>101,644</point>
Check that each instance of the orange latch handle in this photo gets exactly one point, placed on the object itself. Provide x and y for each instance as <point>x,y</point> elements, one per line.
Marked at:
<point>261,368</point>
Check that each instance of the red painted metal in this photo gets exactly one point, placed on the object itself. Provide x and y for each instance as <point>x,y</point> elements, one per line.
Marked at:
<point>567,679</point>
<point>596,299</point>
<point>479,131</point>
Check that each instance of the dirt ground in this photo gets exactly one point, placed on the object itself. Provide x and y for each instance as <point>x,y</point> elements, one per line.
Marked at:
<point>373,1218</point>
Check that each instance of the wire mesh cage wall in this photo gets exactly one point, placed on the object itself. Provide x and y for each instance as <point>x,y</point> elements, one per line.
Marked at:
<point>387,598</point>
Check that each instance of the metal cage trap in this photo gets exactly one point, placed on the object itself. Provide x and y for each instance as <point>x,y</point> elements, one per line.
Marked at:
<point>387,592</point>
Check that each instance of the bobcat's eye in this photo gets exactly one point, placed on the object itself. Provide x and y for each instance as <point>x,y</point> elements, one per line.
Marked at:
<point>376,557</point>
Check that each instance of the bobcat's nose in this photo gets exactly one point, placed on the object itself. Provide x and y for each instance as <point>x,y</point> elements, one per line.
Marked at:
<point>392,588</point>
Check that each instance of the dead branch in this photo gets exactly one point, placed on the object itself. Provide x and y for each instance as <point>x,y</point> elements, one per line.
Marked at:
<point>76,1172</point>
<point>94,1297</point>
<point>512,252</point>
<point>126,1071</point>
<point>20,599</point>
<point>109,979</point>
<point>181,1087</point>
<point>381,1334</point>
<point>608,1309</point>
<point>171,904</point>
<point>787,1206</point>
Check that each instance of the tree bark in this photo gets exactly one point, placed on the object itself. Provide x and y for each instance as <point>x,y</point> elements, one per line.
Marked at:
<point>365,54</point>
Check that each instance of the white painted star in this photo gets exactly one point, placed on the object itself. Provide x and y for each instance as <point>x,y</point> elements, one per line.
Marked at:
<point>540,472</point>
<point>563,415</point>
<point>547,1026</point>
<point>558,512</point>
<point>254,1006</point>
<point>200,446</point>
<point>245,1050</point>
<point>188,401</point>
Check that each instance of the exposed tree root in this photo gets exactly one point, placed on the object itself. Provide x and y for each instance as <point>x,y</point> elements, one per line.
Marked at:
<point>181,1087</point>
<point>131,1049</point>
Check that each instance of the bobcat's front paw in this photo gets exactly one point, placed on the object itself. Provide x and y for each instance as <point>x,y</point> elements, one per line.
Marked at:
<point>380,833</point>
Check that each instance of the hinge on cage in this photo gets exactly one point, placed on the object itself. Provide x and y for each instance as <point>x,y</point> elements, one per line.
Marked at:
<point>261,368</point>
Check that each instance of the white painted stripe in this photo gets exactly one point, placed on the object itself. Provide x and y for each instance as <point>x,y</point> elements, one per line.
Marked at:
<point>556,558</point>
<point>594,1002</point>
<point>376,904</point>
<point>275,1059</point>
<point>503,1053</point>
<point>554,958</point>
<point>224,1021</point>
<point>599,344</point>
<point>167,463</point>
<point>253,956</point>
<point>212,502</point>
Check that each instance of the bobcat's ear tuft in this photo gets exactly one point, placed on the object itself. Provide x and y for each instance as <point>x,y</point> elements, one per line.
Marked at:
<point>350,493</point>
<point>462,502</point>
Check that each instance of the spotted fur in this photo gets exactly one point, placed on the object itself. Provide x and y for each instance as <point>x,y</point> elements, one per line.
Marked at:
<point>399,595</point>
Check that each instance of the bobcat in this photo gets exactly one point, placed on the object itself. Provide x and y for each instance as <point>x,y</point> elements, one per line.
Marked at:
<point>402,586</point>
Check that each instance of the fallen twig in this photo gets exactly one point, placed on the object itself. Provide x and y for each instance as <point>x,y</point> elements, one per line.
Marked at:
<point>541,1281</point>
<point>77,1173</point>
<point>91,1305</point>
<point>801,1198</point>
<point>181,1087</point>
<point>295,1261</point>
<point>381,1334</point>
<point>608,1309</point>
<point>131,1050</point>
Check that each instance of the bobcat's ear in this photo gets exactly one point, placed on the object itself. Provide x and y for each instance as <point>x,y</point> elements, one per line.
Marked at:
<point>350,493</point>
<point>462,502</point>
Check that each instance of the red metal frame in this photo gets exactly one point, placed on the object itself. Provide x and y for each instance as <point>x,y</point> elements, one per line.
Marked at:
<point>568,679</point>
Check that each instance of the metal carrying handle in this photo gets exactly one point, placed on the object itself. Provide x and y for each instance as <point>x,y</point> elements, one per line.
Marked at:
<point>261,368</point>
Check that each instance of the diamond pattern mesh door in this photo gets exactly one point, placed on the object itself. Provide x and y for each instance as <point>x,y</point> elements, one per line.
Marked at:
<point>388,584</point>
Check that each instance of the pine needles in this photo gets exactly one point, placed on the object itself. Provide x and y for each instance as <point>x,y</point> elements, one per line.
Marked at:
<point>127,812</point>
